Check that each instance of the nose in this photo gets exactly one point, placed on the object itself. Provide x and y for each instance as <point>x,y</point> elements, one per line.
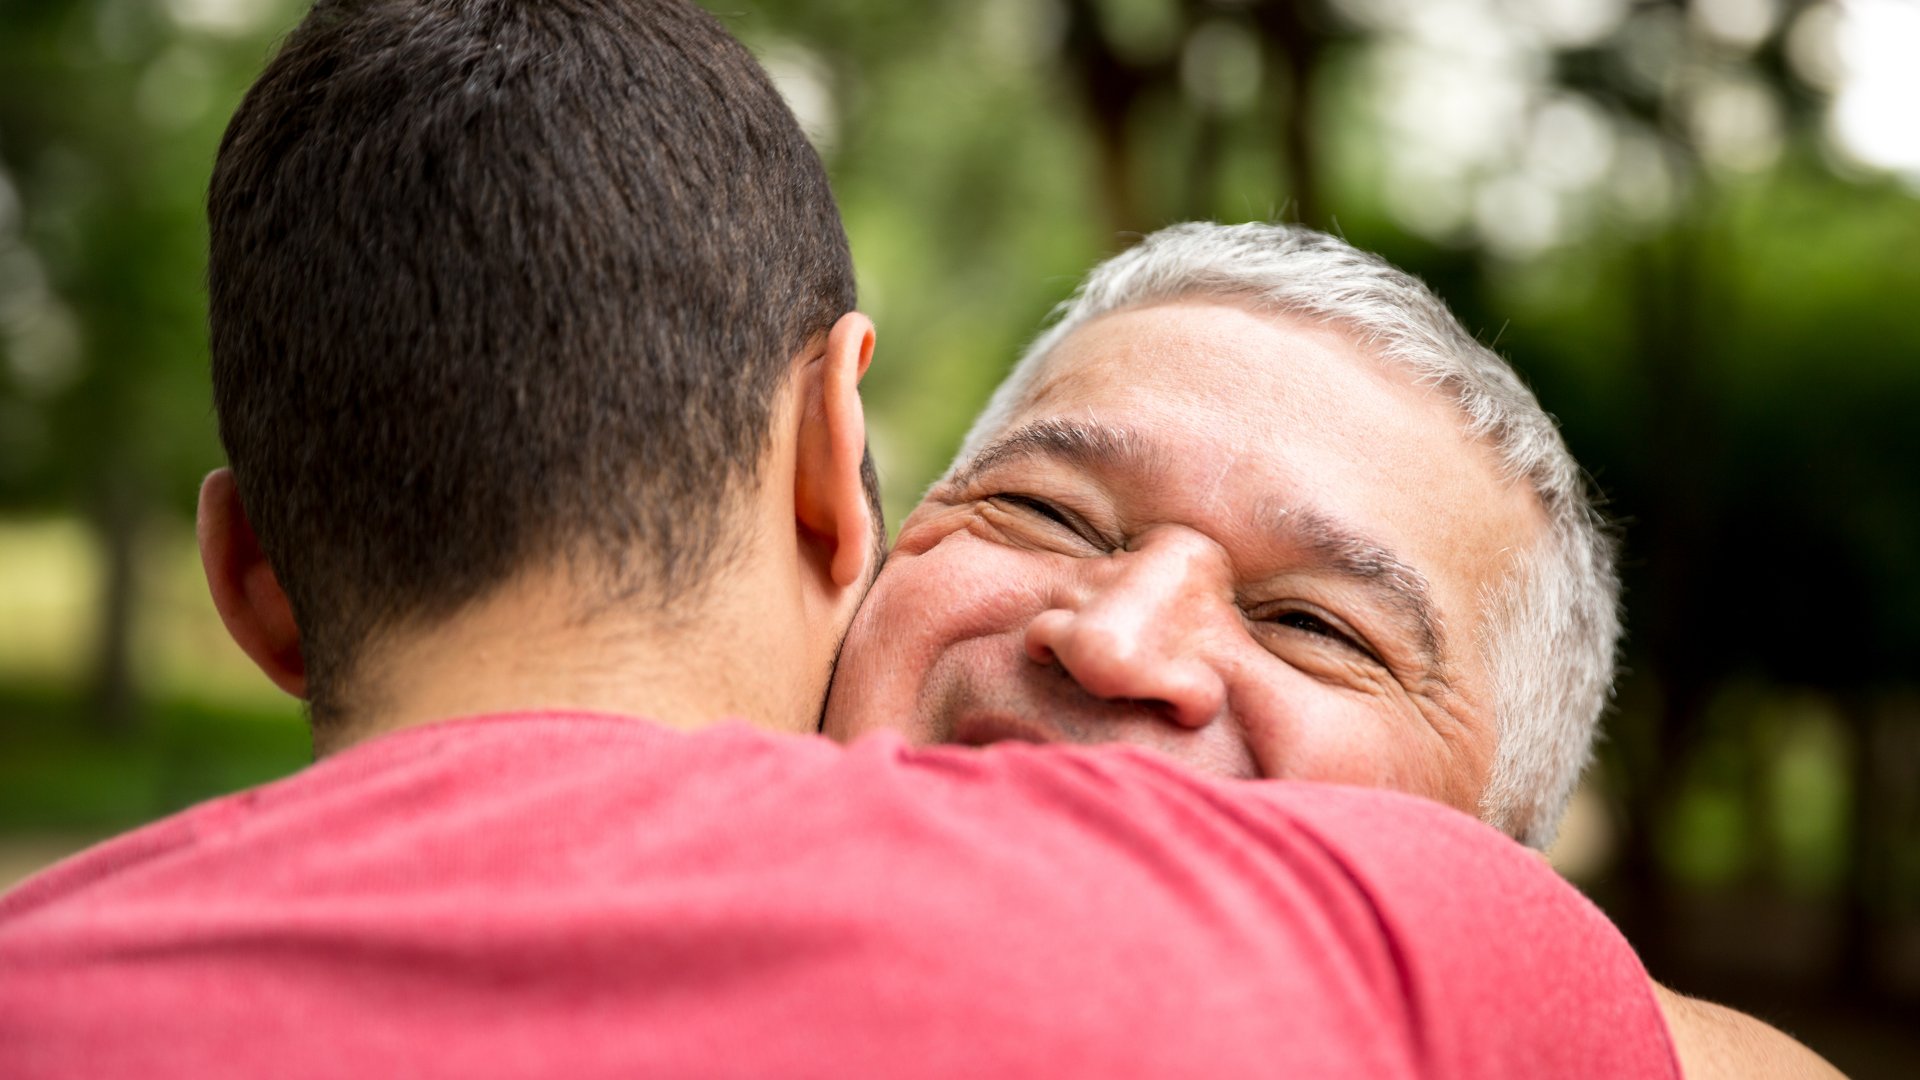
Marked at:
<point>1134,629</point>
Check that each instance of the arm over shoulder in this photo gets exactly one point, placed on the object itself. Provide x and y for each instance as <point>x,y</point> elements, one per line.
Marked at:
<point>1509,969</point>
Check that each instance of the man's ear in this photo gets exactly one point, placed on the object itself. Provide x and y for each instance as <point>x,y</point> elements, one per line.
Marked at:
<point>831,508</point>
<point>245,590</point>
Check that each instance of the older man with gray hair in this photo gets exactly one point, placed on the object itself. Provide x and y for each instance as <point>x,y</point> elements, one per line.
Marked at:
<point>1256,499</point>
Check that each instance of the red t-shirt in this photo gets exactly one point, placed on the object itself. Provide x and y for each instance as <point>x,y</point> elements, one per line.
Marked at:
<point>584,896</point>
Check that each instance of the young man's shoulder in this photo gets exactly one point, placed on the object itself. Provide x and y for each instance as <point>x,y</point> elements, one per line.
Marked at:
<point>384,785</point>
<point>639,898</point>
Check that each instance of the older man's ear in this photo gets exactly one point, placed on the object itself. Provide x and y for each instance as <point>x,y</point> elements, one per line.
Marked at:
<point>245,590</point>
<point>831,510</point>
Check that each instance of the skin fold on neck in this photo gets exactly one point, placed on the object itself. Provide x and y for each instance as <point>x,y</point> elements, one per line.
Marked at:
<point>526,646</point>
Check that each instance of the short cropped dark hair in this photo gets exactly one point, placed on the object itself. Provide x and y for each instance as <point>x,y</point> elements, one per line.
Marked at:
<point>498,281</point>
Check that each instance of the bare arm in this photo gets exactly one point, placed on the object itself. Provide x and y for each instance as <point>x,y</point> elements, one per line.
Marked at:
<point>1715,1041</point>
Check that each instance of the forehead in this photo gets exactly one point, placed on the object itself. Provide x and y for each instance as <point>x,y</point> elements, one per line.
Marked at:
<point>1262,385</point>
<point>1244,413</point>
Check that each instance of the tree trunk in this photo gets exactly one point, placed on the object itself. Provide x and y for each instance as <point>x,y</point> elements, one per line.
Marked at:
<point>1657,771</point>
<point>1296,35</point>
<point>1667,297</point>
<point>1203,168</point>
<point>1862,890</point>
<point>1109,87</point>
<point>114,697</point>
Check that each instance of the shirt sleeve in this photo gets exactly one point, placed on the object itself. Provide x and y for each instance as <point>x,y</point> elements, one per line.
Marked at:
<point>1506,969</point>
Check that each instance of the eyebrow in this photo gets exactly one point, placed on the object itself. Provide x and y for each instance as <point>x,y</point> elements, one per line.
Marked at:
<point>1087,444</point>
<point>1348,553</point>
<point>1335,546</point>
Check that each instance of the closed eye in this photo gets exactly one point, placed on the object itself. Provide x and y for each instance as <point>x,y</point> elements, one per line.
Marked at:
<point>1053,515</point>
<point>1307,622</point>
<point>1041,507</point>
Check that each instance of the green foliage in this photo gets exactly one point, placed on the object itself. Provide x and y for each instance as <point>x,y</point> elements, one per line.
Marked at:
<point>109,115</point>
<point>57,776</point>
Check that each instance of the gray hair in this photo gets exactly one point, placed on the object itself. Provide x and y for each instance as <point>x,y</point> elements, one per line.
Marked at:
<point>1553,621</point>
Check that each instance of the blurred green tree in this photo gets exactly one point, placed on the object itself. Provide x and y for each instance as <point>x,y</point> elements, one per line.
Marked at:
<point>104,391</point>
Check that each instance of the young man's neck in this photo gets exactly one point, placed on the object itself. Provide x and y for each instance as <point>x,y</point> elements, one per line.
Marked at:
<point>529,647</point>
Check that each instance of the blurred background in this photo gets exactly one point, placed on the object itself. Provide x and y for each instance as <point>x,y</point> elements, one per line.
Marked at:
<point>1693,226</point>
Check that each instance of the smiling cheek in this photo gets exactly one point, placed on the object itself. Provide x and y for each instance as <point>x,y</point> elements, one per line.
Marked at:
<point>1302,729</point>
<point>939,601</point>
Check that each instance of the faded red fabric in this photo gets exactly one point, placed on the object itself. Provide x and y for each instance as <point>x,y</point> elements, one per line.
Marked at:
<point>585,896</point>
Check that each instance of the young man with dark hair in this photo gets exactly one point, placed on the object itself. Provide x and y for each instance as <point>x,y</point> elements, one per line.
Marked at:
<point>536,362</point>
<point>501,288</point>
